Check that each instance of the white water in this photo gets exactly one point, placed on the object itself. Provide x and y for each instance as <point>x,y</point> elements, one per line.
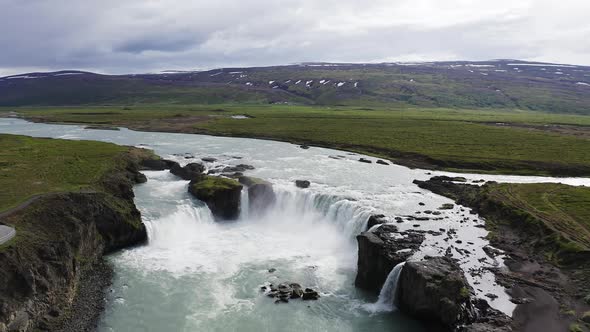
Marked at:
<point>198,275</point>
<point>388,295</point>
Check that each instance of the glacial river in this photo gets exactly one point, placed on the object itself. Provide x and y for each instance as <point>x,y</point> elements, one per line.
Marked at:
<point>198,275</point>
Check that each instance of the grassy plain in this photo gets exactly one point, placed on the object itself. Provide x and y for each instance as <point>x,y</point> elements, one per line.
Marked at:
<point>33,166</point>
<point>508,141</point>
<point>564,210</point>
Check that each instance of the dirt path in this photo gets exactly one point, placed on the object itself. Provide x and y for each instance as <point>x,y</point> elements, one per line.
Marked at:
<point>6,233</point>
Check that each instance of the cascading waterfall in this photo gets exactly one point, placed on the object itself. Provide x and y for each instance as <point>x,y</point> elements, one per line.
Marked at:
<point>303,205</point>
<point>178,225</point>
<point>388,294</point>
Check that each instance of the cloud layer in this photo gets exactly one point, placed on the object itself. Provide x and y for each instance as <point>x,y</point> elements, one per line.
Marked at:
<point>116,36</point>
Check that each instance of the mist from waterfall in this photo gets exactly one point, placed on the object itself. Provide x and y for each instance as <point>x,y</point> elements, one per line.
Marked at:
<point>206,275</point>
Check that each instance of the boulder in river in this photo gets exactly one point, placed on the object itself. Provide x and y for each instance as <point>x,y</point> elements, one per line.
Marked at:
<point>366,161</point>
<point>192,171</point>
<point>380,251</point>
<point>221,195</point>
<point>260,193</point>
<point>232,169</point>
<point>157,164</point>
<point>447,206</point>
<point>285,291</point>
<point>302,184</point>
<point>381,162</point>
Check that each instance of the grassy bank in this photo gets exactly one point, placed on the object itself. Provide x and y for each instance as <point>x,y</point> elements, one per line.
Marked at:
<point>562,211</point>
<point>553,219</point>
<point>491,141</point>
<point>33,166</point>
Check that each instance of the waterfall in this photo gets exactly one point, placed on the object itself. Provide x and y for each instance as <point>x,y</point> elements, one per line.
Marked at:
<point>180,224</point>
<point>388,294</point>
<point>307,207</point>
<point>245,204</point>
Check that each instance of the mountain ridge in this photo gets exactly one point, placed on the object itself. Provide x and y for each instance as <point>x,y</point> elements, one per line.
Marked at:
<point>504,84</point>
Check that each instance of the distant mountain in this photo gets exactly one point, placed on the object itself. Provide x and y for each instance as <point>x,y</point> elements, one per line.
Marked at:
<point>487,84</point>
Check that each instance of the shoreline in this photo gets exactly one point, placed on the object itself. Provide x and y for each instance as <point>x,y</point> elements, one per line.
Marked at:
<point>90,300</point>
<point>549,296</point>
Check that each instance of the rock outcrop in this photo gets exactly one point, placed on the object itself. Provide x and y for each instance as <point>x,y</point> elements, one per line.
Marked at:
<point>303,184</point>
<point>376,219</point>
<point>380,251</point>
<point>61,238</point>
<point>221,195</point>
<point>156,164</point>
<point>436,290</point>
<point>260,193</point>
<point>285,291</point>
<point>192,171</point>
<point>225,170</point>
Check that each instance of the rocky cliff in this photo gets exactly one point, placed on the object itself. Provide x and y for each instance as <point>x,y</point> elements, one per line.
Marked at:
<point>380,251</point>
<point>61,237</point>
<point>436,290</point>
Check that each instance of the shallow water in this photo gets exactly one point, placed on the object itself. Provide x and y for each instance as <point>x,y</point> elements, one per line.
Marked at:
<point>197,275</point>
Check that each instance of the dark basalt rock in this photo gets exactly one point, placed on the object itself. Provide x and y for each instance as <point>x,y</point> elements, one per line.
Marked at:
<point>192,171</point>
<point>241,168</point>
<point>376,219</point>
<point>380,251</point>
<point>366,161</point>
<point>310,294</point>
<point>209,159</point>
<point>157,164</point>
<point>221,195</point>
<point>302,184</point>
<point>260,193</point>
<point>448,178</point>
<point>436,290</point>
<point>285,291</point>
<point>304,146</point>
<point>447,206</point>
<point>382,162</point>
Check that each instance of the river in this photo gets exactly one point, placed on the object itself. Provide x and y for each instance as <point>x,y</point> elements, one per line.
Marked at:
<point>198,275</point>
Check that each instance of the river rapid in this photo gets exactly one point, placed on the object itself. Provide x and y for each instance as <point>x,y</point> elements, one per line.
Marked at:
<point>199,275</point>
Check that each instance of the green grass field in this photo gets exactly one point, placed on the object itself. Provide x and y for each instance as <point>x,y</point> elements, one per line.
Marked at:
<point>32,166</point>
<point>564,209</point>
<point>450,139</point>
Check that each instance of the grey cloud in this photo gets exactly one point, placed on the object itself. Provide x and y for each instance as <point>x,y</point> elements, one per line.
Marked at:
<point>139,36</point>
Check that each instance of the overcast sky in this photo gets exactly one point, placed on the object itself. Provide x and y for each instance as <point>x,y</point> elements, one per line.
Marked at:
<point>130,36</point>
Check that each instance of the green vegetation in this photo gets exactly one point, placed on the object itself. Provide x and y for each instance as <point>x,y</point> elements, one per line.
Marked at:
<point>557,214</point>
<point>450,139</point>
<point>33,166</point>
<point>464,293</point>
<point>574,327</point>
<point>211,184</point>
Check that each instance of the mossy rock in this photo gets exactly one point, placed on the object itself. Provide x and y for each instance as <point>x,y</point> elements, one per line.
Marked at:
<point>250,181</point>
<point>221,195</point>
